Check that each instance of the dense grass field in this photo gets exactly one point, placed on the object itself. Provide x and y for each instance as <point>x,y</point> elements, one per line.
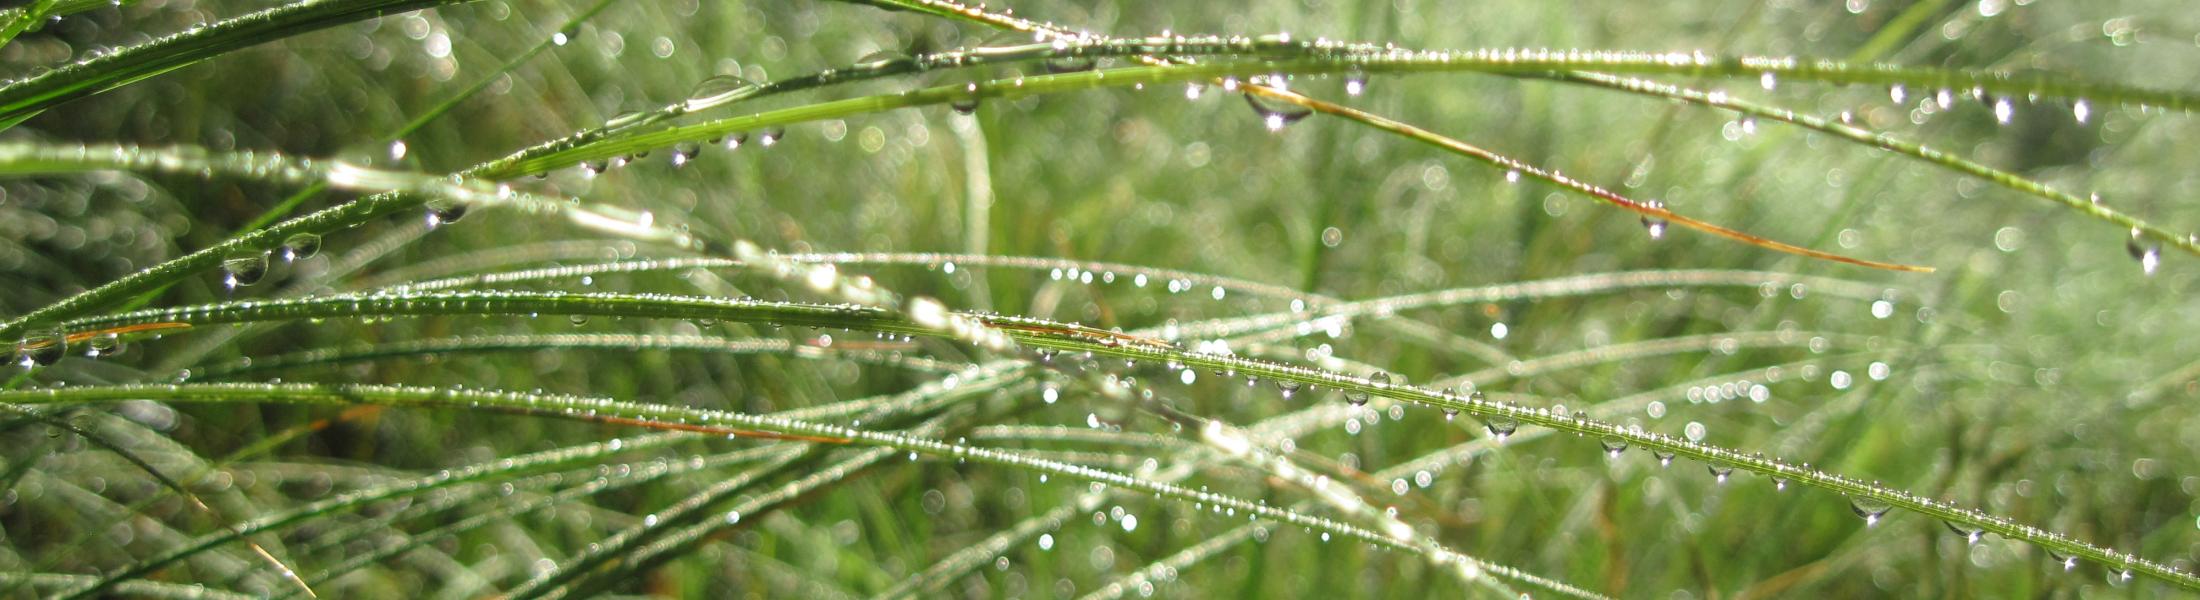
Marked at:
<point>1079,298</point>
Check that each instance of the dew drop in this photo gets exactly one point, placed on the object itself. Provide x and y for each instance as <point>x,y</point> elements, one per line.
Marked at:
<point>1276,114</point>
<point>1288,387</point>
<point>1871,509</point>
<point>1665,457</point>
<point>2146,252</point>
<point>1719,473</point>
<point>301,246</point>
<point>1613,445</point>
<point>1355,82</point>
<point>720,91</point>
<point>1897,94</point>
<point>577,319</point>
<point>1654,224</point>
<point>1068,64</point>
<point>2003,111</point>
<point>1768,81</point>
<point>244,268</point>
<point>770,136</point>
<point>884,60</point>
<point>1944,98</point>
<point>444,212</point>
<point>967,103</point>
<point>41,347</point>
<point>1501,426</point>
<point>2081,110</point>
<point>684,152</point>
<point>1971,533</point>
<point>397,150</point>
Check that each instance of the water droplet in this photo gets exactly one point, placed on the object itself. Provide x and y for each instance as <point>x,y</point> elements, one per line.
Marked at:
<point>1719,473</point>
<point>2003,111</point>
<point>685,151</point>
<point>1066,63</point>
<point>626,119</point>
<point>883,60</point>
<point>967,103</point>
<point>1768,81</point>
<point>1512,176</point>
<point>720,91</point>
<point>1501,426</point>
<point>1654,224</point>
<point>397,151</point>
<point>301,246</point>
<point>244,268</point>
<point>593,168</point>
<point>1665,457</point>
<point>2146,252</point>
<point>2066,561</point>
<point>1613,445</point>
<point>104,345</point>
<point>770,136</point>
<point>560,38</point>
<point>41,347</point>
<point>1897,93</point>
<point>1359,397</point>
<point>2081,111</point>
<point>444,212</point>
<point>1276,114</point>
<point>1871,509</point>
<point>577,319</point>
<point>1971,533</point>
<point>1288,387</point>
<point>1944,98</point>
<point>1355,82</point>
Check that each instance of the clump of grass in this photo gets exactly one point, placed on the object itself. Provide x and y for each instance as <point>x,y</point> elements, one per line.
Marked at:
<point>554,301</point>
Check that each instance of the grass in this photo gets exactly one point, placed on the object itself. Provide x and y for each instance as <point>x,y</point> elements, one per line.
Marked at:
<point>910,298</point>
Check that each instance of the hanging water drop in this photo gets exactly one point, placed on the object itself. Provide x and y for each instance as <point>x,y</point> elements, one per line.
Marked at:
<point>301,246</point>
<point>967,103</point>
<point>1719,473</point>
<point>885,60</point>
<point>577,319</point>
<point>244,268</point>
<point>1944,98</point>
<point>2081,111</point>
<point>592,168</point>
<point>397,151</point>
<point>1276,114</point>
<point>1501,426</point>
<point>1065,62</point>
<point>1288,387</point>
<point>1654,224</point>
<point>444,212</point>
<point>1971,533</point>
<point>1613,446</point>
<point>41,347</point>
<point>2146,252</point>
<point>1871,509</point>
<point>1665,457</point>
<point>684,152</point>
<point>1355,82</point>
<point>720,91</point>
<point>770,136</point>
<point>1768,81</point>
<point>1897,93</point>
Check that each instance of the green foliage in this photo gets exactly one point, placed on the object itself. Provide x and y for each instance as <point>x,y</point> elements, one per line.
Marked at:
<point>910,298</point>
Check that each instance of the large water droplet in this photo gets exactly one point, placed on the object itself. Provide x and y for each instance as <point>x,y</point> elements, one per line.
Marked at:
<point>301,246</point>
<point>1871,509</point>
<point>1654,224</point>
<point>1501,426</point>
<point>684,152</point>
<point>244,268</point>
<point>1897,94</point>
<point>966,103</point>
<point>885,60</point>
<point>1355,82</point>
<point>720,91</point>
<point>1613,445</point>
<point>2081,111</point>
<point>444,212</point>
<point>1276,114</point>
<point>1971,533</point>
<point>41,347</point>
<point>2145,251</point>
<point>1288,387</point>
<point>1719,473</point>
<point>1664,456</point>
